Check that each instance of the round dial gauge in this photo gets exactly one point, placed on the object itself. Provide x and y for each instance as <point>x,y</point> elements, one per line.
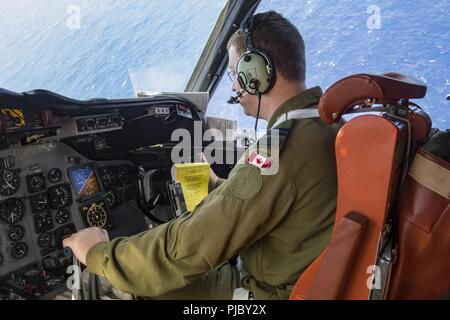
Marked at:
<point>96,216</point>
<point>44,240</point>
<point>110,199</point>
<point>60,196</point>
<point>54,175</point>
<point>11,210</point>
<point>9,182</point>
<point>39,202</point>
<point>16,233</point>
<point>61,216</point>
<point>36,183</point>
<point>19,250</point>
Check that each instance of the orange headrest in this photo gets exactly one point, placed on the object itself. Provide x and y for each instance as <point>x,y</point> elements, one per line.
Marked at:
<point>389,87</point>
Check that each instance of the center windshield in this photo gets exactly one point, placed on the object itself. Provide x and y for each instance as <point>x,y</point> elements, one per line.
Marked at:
<point>111,48</point>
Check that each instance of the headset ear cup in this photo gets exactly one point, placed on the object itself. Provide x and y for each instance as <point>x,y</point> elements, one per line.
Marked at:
<point>241,78</point>
<point>255,72</point>
<point>254,85</point>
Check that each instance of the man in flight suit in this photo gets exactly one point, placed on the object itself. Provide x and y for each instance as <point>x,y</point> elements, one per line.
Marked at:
<point>277,224</point>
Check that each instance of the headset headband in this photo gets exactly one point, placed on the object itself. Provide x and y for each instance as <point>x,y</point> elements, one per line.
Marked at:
<point>248,29</point>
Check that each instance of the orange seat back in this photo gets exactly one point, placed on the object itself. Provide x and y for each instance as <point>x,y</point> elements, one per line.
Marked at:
<point>366,163</point>
<point>370,150</point>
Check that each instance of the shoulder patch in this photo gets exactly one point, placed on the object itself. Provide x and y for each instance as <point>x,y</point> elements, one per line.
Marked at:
<point>246,182</point>
<point>258,160</point>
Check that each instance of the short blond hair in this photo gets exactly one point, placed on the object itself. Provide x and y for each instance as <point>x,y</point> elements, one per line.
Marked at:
<point>237,40</point>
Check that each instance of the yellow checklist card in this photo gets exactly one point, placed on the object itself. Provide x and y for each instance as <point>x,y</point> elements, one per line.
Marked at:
<point>194,178</point>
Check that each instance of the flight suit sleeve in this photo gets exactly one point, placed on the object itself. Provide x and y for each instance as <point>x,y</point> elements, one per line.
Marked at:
<point>244,208</point>
<point>219,182</point>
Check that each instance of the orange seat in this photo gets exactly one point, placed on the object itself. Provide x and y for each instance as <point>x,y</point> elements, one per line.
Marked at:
<point>370,153</point>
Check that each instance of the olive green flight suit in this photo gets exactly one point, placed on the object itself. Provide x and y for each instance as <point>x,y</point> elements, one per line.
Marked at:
<point>278,224</point>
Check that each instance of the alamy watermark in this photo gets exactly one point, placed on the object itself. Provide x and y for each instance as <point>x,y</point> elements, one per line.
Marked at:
<point>264,154</point>
<point>73,282</point>
<point>73,21</point>
<point>374,20</point>
<point>374,280</point>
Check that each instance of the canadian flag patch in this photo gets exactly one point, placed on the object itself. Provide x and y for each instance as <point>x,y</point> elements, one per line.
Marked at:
<point>259,161</point>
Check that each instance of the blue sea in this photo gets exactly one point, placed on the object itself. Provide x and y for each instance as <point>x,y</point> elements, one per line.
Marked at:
<point>116,48</point>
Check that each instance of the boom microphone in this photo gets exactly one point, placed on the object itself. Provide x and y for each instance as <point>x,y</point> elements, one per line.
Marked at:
<point>236,99</point>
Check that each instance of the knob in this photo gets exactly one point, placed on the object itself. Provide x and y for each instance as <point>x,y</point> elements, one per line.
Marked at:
<point>50,264</point>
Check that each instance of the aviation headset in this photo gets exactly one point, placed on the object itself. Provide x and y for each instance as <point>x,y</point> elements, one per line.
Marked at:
<point>255,71</point>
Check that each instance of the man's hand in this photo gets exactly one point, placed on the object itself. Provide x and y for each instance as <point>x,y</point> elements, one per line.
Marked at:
<point>82,241</point>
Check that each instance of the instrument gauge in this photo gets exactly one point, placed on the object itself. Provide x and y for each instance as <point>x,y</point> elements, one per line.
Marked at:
<point>11,210</point>
<point>36,183</point>
<point>39,202</point>
<point>19,250</point>
<point>108,175</point>
<point>44,240</point>
<point>96,216</point>
<point>123,176</point>
<point>16,233</point>
<point>61,216</point>
<point>60,196</point>
<point>9,182</point>
<point>54,175</point>
<point>110,199</point>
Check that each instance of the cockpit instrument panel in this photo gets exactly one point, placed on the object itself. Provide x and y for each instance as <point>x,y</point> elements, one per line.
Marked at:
<point>98,123</point>
<point>85,182</point>
<point>66,165</point>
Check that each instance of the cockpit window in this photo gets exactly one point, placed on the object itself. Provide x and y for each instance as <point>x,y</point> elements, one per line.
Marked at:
<point>347,37</point>
<point>109,48</point>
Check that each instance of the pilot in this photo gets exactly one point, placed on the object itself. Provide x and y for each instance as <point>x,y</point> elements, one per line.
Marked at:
<point>276,224</point>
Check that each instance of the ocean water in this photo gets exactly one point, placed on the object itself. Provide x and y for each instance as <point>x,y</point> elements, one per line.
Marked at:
<point>115,48</point>
<point>413,38</point>
<point>108,48</point>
